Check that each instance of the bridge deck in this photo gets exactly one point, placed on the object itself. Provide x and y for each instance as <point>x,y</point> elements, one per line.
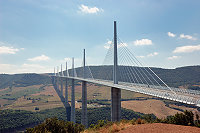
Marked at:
<point>179,95</point>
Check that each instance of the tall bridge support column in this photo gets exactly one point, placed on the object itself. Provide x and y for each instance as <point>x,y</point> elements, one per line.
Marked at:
<point>73,95</point>
<point>57,79</point>
<point>57,82</point>
<point>115,92</point>
<point>61,85</point>
<point>115,104</point>
<point>61,81</point>
<point>68,108</point>
<point>84,119</point>
<point>73,102</point>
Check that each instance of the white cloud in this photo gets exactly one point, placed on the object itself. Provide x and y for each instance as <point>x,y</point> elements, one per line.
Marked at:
<point>67,59</point>
<point>171,34</point>
<point>149,55</point>
<point>173,57</point>
<point>152,54</point>
<point>142,42</point>
<point>187,49</point>
<point>189,37</point>
<point>122,45</point>
<point>39,58</point>
<point>109,42</point>
<point>107,45</point>
<point>33,68</point>
<point>24,68</point>
<point>8,50</point>
<point>90,10</point>
<point>119,45</point>
<point>141,56</point>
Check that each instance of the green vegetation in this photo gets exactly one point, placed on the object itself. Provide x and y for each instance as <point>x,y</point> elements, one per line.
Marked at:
<point>23,80</point>
<point>54,125</point>
<point>188,75</point>
<point>186,118</point>
<point>17,94</point>
<point>194,87</point>
<point>11,119</point>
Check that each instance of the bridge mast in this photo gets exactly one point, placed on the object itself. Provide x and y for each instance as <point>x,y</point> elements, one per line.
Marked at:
<point>73,95</point>
<point>115,92</point>
<point>84,119</point>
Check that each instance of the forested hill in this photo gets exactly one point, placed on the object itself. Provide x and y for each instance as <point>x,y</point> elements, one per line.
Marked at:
<point>189,75</point>
<point>22,80</point>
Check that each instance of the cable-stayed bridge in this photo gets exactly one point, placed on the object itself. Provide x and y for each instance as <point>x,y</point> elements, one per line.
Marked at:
<point>120,70</point>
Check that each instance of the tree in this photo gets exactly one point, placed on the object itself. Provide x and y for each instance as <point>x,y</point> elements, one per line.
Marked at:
<point>54,125</point>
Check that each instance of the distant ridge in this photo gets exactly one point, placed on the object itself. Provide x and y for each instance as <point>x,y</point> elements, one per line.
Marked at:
<point>187,75</point>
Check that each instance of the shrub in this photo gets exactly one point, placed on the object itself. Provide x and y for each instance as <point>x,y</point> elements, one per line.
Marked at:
<point>186,118</point>
<point>37,108</point>
<point>54,125</point>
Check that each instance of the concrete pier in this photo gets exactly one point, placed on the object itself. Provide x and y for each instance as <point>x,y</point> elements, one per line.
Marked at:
<point>115,92</point>
<point>73,96</point>
<point>57,79</point>
<point>61,85</point>
<point>73,102</point>
<point>84,119</point>
<point>68,108</point>
<point>61,81</point>
<point>115,104</point>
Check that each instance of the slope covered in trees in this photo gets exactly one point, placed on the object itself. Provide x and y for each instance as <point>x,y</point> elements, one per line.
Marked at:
<point>14,119</point>
<point>188,75</point>
<point>23,80</point>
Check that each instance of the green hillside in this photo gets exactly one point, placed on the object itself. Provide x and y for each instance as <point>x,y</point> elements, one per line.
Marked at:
<point>189,75</point>
<point>16,119</point>
<point>23,80</point>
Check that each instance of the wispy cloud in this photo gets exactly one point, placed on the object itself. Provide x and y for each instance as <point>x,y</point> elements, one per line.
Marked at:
<point>67,59</point>
<point>187,49</point>
<point>142,42</point>
<point>170,34</point>
<point>8,50</point>
<point>152,54</point>
<point>149,55</point>
<point>107,44</point>
<point>141,56</point>
<point>189,37</point>
<point>90,10</point>
<point>24,68</point>
<point>39,58</point>
<point>33,68</point>
<point>173,57</point>
<point>122,45</point>
<point>119,45</point>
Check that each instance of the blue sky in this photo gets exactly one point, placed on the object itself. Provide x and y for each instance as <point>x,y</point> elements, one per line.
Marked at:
<point>36,35</point>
